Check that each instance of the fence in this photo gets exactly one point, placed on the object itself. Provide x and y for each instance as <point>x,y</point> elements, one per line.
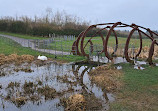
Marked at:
<point>62,37</point>
<point>58,46</point>
<point>62,46</point>
<point>96,53</point>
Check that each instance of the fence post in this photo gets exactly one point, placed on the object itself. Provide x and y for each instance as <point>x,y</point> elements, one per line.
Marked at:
<point>62,48</point>
<point>55,49</point>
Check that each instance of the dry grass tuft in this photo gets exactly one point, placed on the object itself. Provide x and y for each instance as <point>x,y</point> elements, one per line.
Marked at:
<point>19,101</point>
<point>82,102</point>
<point>143,55</point>
<point>76,102</point>
<point>47,91</point>
<point>107,77</point>
<point>14,58</point>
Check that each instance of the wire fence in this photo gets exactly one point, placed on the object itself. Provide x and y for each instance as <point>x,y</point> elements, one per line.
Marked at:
<point>58,46</point>
<point>96,52</point>
<point>62,46</point>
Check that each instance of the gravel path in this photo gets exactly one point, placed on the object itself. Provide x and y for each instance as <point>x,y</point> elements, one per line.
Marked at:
<point>31,43</point>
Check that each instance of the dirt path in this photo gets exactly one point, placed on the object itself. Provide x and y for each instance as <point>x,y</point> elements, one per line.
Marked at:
<point>31,43</point>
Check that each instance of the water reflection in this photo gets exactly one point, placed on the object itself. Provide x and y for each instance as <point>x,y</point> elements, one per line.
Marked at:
<point>65,79</point>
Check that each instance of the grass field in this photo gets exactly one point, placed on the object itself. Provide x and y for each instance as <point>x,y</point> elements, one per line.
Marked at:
<point>98,44</point>
<point>58,45</point>
<point>8,46</point>
<point>140,90</point>
<point>66,46</point>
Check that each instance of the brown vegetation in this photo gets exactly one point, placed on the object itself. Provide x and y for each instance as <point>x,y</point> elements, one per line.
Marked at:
<point>14,58</point>
<point>81,102</point>
<point>143,55</point>
<point>19,101</point>
<point>76,103</point>
<point>107,77</point>
<point>47,91</point>
<point>23,69</point>
<point>29,91</point>
<point>13,84</point>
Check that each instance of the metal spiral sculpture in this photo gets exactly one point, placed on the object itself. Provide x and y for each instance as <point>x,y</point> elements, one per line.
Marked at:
<point>110,28</point>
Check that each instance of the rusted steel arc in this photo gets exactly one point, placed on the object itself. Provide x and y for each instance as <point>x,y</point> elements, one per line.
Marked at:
<point>91,45</point>
<point>107,38</point>
<point>151,53</point>
<point>144,28</point>
<point>149,36</point>
<point>146,35</point>
<point>77,43</point>
<point>87,43</point>
<point>105,24</point>
<point>124,25</point>
<point>155,33</point>
<point>147,30</point>
<point>102,37</point>
<point>82,40</point>
<point>74,48</point>
<point>140,49</point>
<point>103,43</point>
<point>95,35</point>
<point>116,41</point>
<point>150,32</point>
<point>127,44</point>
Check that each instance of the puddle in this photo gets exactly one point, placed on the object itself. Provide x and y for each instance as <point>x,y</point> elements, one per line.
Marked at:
<point>119,67</point>
<point>43,87</point>
<point>139,67</point>
<point>116,60</point>
<point>141,62</point>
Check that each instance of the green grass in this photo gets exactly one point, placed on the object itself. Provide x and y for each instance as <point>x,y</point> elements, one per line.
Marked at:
<point>8,46</point>
<point>66,46</point>
<point>140,91</point>
<point>22,35</point>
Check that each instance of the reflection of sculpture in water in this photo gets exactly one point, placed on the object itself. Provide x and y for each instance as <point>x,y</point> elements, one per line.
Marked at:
<point>79,79</point>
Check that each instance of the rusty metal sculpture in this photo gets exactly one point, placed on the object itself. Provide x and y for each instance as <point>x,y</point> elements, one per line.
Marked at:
<point>110,28</point>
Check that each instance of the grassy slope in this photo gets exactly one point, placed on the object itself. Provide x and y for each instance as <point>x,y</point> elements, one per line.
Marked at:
<point>8,46</point>
<point>22,35</point>
<point>140,91</point>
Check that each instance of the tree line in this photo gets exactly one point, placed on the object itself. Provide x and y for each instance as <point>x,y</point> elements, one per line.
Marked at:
<point>59,23</point>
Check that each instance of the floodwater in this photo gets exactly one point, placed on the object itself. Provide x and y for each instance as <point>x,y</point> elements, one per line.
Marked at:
<point>66,79</point>
<point>116,60</point>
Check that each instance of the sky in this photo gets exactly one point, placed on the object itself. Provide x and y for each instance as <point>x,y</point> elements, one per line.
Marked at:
<point>140,12</point>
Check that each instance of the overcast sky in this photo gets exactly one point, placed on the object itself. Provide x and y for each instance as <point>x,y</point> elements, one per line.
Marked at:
<point>141,12</point>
